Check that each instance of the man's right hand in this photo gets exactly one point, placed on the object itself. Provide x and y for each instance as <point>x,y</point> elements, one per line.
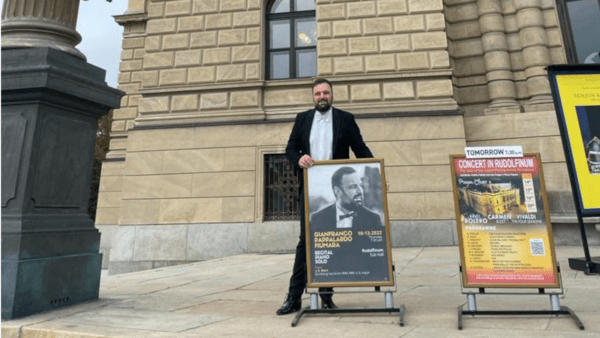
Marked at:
<point>305,161</point>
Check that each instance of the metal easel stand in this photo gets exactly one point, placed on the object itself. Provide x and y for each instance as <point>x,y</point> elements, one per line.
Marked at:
<point>389,307</point>
<point>557,309</point>
<point>588,264</point>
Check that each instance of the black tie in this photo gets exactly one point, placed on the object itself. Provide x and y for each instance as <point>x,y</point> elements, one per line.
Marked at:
<point>351,214</point>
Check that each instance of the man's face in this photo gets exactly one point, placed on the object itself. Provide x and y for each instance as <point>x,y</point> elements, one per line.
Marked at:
<point>322,97</point>
<point>350,194</point>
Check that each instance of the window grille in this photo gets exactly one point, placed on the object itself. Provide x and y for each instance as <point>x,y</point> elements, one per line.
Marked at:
<point>281,189</point>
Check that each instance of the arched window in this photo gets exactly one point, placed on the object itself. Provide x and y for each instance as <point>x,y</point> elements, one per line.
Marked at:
<point>292,39</point>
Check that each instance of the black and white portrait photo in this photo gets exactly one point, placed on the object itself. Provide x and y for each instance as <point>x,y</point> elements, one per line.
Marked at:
<point>345,197</point>
<point>347,222</point>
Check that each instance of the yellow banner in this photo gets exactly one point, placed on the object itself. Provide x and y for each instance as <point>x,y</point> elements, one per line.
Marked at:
<point>580,100</point>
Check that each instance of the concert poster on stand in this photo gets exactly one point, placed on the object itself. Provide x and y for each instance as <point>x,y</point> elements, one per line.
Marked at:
<point>576,92</point>
<point>503,223</point>
<point>348,239</point>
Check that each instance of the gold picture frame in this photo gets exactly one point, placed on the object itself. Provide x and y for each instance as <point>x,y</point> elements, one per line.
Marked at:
<point>351,249</point>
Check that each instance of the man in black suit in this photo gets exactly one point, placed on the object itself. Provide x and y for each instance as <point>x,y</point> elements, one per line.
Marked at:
<point>323,133</point>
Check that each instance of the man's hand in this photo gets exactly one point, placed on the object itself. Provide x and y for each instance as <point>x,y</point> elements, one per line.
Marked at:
<point>305,161</point>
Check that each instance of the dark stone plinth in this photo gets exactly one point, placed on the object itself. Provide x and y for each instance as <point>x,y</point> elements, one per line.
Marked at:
<point>51,103</point>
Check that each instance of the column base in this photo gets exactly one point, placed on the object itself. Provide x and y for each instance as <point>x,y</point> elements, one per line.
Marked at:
<point>51,102</point>
<point>33,285</point>
<point>544,103</point>
<point>501,109</point>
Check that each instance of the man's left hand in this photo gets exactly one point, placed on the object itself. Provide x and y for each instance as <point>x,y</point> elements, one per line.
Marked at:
<point>305,161</point>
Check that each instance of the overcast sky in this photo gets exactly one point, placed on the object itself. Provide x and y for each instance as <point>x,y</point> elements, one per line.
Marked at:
<point>101,35</point>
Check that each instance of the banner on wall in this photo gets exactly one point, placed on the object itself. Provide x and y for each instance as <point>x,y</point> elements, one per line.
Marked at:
<point>503,222</point>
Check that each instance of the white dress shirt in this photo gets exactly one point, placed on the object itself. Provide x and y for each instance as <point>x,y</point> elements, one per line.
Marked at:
<point>345,222</point>
<point>321,136</point>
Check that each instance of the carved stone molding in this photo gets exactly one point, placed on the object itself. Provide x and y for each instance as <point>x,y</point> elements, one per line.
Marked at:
<point>41,23</point>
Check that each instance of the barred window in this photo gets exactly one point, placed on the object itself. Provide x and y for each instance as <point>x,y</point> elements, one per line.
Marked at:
<point>281,189</point>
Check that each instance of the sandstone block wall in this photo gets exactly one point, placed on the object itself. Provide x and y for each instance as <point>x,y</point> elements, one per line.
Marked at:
<point>202,61</point>
<point>189,140</point>
<point>392,54</point>
<point>466,46</point>
<point>215,174</point>
<point>179,187</point>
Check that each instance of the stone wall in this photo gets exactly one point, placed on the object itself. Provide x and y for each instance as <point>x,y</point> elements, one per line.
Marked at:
<point>189,194</point>
<point>201,61</point>
<point>392,52</point>
<point>183,180</point>
<point>496,46</point>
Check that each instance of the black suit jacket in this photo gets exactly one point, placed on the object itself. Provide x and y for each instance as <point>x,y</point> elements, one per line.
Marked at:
<point>324,220</point>
<point>346,136</point>
<point>350,256</point>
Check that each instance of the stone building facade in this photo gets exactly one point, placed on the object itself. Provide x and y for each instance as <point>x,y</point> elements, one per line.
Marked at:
<point>184,178</point>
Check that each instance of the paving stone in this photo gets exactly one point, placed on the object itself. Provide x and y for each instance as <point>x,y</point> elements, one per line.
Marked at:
<point>238,296</point>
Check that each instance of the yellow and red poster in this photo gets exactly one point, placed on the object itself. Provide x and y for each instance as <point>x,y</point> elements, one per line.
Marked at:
<point>503,222</point>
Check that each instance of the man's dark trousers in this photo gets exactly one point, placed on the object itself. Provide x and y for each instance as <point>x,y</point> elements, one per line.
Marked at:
<point>299,273</point>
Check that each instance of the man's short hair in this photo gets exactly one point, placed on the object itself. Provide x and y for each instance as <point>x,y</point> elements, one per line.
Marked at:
<point>320,81</point>
<point>336,179</point>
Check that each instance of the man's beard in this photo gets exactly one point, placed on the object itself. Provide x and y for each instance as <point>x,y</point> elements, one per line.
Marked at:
<point>352,204</point>
<point>322,106</point>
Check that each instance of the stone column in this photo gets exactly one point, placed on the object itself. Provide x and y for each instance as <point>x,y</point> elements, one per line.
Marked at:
<point>497,60</point>
<point>41,23</point>
<point>51,102</point>
<point>535,54</point>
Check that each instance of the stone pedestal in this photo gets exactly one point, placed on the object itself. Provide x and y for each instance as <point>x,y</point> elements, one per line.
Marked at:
<point>51,102</point>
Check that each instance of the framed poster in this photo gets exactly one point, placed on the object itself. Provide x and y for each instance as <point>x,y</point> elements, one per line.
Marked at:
<point>503,222</point>
<point>348,235</point>
<point>576,91</point>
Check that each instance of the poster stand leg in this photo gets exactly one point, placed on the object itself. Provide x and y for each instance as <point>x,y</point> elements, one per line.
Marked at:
<point>557,309</point>
<point>314,302</point>
<point>400,310</point>
<point>589,265</point>
<point>471,301</point>
<point>563,310</point>
<point>388,300</point>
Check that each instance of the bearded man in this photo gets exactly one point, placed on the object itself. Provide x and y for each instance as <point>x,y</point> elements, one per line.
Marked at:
<point>322,133</point>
